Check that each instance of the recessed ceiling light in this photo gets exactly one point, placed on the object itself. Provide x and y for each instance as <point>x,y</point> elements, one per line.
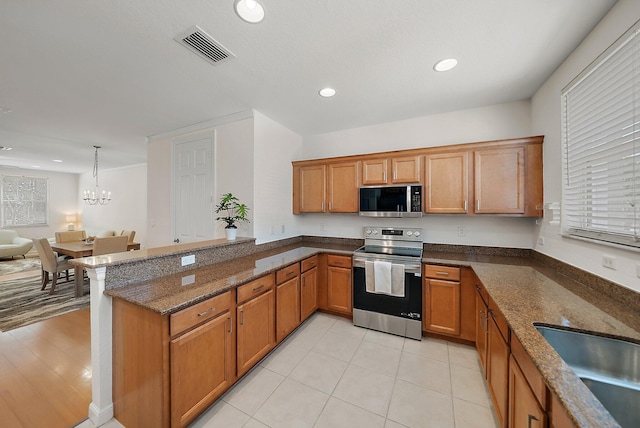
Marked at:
<point>5,148</point>
<point>445,64</point>
<point>249,10</point>
<point>57,160</point>
<point>5,110</point>
<point>35,166</point>
<point>327,92</point>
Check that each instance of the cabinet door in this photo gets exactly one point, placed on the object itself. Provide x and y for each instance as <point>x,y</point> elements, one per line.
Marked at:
<point>406,169</point>
<point>342,188</point>
<point>312,190</point>
<point>256,330</point>
<point>339,289</point>
<point>499,181</point>
<point>442,306</point>
<point>287,308</point>
<point>524,409</point>
<point>446,183</point>
<point>374,171</point>
<point>482,331</point>
<point>498,371</point>
<point>202,368</point>
<point>308,293</point>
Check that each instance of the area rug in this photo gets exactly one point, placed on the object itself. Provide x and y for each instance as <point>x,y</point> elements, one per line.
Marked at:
<point>23,303</point>
<point>8,266</point>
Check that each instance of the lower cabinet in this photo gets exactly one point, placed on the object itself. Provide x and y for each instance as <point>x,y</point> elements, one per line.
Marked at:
<point>256,322</point>
<point>308,287</point>
<point>202,368</point>
<point>288,304</point>
<point>482,327</point>
<point>524,409</point>
<point>339,284</point>
<point>498,369</point>
<point>441,300</point>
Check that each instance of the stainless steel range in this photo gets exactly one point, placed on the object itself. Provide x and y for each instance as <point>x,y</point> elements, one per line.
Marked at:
<point>387,281</point>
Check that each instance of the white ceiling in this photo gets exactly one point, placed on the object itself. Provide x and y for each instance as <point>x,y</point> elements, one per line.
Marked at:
<point>108,72</point>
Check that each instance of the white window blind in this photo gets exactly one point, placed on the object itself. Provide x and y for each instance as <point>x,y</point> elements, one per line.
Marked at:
<point>601,132</point>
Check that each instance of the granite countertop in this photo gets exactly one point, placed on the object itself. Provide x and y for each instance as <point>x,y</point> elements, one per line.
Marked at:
<point>525,290</point>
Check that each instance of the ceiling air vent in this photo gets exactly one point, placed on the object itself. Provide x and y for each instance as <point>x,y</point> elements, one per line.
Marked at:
<point>204,45</point>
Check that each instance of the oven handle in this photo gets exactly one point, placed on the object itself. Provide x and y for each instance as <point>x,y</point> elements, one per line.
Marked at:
<point>414,268</point>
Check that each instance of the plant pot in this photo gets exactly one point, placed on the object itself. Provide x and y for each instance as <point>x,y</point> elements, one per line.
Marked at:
<point>230,233</point>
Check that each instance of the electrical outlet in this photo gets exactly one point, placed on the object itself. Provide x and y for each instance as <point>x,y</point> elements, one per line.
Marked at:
<point>540,240</point>
<point>188,260</point>
<point>461,231</point>
<point>609,261</point>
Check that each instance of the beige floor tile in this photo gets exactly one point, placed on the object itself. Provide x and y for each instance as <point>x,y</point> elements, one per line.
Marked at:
<point>252,423</point>
<point>292,404</point>
<point>320,321</point>
<point>306,338</point>
<point>392,424</point>
<point>337,346</point>
<point>418,407</point>
<point>378,358</point>
<point>319,371</point>
<point>365,388</point>
<point>284,359</point>
<point>468,414</point>
<point>427,347</point>
<point>249,393</point>
<point>346,327</point>
<point>384,339</point>
<point>425,372</point>
<point>338,413</point>
<point>469,385</point>
<point>464,356</point>
<point>221,415</point>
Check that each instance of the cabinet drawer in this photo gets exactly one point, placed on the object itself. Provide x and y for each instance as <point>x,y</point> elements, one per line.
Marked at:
<point>442,272</point>
<point>198,313</point>
<point>529,370</point>
<point>309,263</point>
<point>339,261</point>
<point>255,287</point>
<point>287,273</point>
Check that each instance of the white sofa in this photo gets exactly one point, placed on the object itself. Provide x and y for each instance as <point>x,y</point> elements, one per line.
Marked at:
<point>13,245</point>
<point>98,233</point>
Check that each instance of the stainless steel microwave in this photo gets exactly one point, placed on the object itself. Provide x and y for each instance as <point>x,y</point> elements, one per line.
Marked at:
<point>391,201</point>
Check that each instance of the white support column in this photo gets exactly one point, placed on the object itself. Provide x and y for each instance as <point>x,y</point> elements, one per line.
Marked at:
<point>101,407</point>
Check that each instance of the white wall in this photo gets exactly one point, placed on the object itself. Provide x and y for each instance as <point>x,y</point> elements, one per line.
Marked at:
<point>546,120</point>
<point>128,206</point>
<point>511,120</point>
<point>274,148</point>
<point>63,201</point>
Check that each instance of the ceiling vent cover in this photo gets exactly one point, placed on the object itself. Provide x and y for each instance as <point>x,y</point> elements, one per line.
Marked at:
<point>204,45</point>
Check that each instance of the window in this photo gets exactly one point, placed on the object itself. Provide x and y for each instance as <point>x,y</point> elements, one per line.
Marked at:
<point>24,201</point>
<point>601,147</point>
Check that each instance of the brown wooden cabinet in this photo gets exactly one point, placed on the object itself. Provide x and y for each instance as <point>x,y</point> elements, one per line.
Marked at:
<point>256,322</point>
<point>308,287</point>
<point>482,327</point>
<point>499,180</point>
<point>446,183</point>
<point>309,192</point>
<point>326,187</point>
<point>527,391</point>
<point>498,365</point>
<point>287,300</point>
<point>342,187</point>
<point>393,170</point>
<point>441,300</point>
<point>339,284</point>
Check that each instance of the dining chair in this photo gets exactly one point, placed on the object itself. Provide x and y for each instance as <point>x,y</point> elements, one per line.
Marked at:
<point>110,244</point>
<point>51,264</point>
<point>70,236</point>
<point>130,233</point>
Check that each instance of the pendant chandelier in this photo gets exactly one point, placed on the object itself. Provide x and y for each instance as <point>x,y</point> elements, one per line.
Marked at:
<point>95,197</point>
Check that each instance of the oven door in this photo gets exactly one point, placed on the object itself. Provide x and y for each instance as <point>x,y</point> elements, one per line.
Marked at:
<point>409,306</point>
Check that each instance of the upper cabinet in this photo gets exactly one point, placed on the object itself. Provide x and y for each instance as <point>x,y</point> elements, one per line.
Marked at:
<point>494,177</point>
<point>391,170</point>
<point>326,187</point>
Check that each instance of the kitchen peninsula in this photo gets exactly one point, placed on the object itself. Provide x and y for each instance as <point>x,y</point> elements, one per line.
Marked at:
<point>525,289</point>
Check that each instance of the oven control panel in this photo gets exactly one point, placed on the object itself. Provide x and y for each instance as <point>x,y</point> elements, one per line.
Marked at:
<point>408,234</point>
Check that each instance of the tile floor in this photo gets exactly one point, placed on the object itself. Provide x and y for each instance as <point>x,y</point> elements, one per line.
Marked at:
<point>331,374</point>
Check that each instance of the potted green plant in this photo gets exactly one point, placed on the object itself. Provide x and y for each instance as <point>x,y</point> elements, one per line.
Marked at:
<point>233,212</point>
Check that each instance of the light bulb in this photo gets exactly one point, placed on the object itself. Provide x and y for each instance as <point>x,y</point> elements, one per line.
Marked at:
<point>251,4</point>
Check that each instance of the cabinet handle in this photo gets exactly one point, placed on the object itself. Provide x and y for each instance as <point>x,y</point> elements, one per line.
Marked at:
<point>322,205</point>
<point>258,288</point>
<point>208,311</point>
<point>230,325</point>
<point>478,205</point>
<point>531,418</point>
<point>242,317</point>
<point>385,176</point>
<point>330,206</point>
<point>465,205</point>
<point>395,174</point>
<point>427,282</point>
<point>439,272</point>
<point>290,273</point>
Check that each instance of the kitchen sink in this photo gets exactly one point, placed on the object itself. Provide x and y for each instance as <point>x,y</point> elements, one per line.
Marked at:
<point>610,368</point>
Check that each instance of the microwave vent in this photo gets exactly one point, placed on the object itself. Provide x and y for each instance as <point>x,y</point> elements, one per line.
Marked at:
<point>204,45</point>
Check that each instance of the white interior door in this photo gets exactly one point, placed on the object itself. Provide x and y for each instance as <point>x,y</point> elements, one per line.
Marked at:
<point>193,165</point>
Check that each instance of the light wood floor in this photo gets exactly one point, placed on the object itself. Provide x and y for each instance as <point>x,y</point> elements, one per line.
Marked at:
<point>45,371</point>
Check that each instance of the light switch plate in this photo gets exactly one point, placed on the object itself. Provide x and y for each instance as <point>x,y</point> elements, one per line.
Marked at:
<point>188,260</point>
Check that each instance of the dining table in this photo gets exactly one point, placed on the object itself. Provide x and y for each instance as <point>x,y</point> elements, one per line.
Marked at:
<point>77,249</point>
